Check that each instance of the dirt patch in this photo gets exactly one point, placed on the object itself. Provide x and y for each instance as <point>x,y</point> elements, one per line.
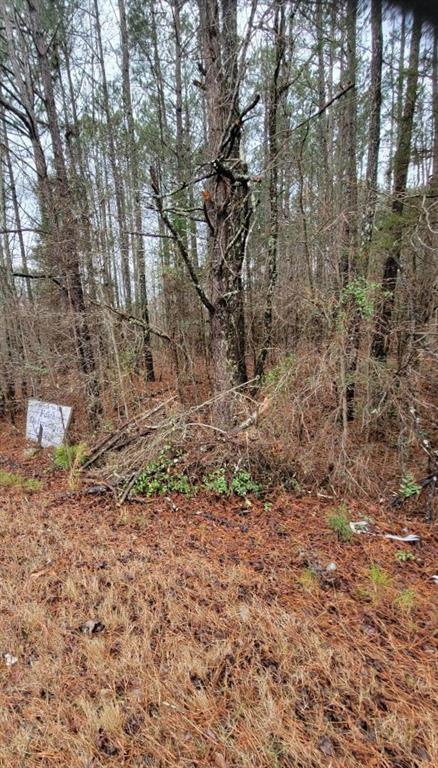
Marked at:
<point>215,632</point>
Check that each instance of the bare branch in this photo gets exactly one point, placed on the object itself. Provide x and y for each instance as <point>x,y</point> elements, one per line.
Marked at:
<point>179,242</point>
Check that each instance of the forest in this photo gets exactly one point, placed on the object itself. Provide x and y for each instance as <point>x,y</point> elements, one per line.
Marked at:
<point>208,196</point>
<point>218,251</point>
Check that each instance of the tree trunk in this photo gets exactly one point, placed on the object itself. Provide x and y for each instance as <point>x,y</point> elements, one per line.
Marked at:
<point>380,345</point>
<point>373,132</point>
<point>67,235</point>
<point>274,100</point>
<point>349,258</point>
<point>117,177</point>
<point>227,197</point>
<point>134,161</point>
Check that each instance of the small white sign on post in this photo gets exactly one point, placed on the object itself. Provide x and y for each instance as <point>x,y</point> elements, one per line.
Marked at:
<point>47,423</point>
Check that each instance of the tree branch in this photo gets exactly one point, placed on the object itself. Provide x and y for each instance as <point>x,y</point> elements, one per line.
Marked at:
<point>325,106</point>
<point>132,319</point>
<point>181,247</point>
<point>28,275</point>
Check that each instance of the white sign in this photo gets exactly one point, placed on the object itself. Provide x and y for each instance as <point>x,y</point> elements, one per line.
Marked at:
<point>47,423</point>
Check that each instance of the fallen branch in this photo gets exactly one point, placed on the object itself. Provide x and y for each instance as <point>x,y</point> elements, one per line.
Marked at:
<point>110,441</point>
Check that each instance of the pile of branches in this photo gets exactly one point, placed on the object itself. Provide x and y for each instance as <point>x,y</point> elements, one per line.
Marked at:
<point>118,460</point>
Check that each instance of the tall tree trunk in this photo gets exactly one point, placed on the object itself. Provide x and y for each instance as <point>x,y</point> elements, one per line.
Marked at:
<point>117,177</point>
<point>228,196</point>
<point>67,234</point>
<point>380,345</point>
<point>273,106</point>
<point>134,161</point>
<point>427,284</point>
<point>373,132</point>
<point>349,258</point>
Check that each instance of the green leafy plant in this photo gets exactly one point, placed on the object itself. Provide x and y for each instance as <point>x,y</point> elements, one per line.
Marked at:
<point>160,478</point>
<point>242,483</point>
<point>403,556</point>
<point>216,482</point>
<point>277,372</point>
<point>339,523</point>
<point>362,292</point>
<point>69,456</point>
<point>11,480</point>
<point>408,486</point>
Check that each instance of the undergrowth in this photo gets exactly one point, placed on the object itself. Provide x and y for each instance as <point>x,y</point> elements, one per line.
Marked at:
<point>69,456</point>
<point>162,477</point>
<point>11,480</point>
<point>339,523</point>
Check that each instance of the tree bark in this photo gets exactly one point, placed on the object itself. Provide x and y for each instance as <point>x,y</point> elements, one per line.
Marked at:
<point>66,234</point>
<point>228,196</point>
<point>380,345</point>
<point>373,132</point>
<point>117,177</point>
<point>134,162</point>
<point>274,102</point>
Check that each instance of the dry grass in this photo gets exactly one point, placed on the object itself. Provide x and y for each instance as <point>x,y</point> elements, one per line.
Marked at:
<point>215,651</point>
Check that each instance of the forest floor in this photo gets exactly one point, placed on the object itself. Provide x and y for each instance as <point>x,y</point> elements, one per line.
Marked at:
<point>206,632</point>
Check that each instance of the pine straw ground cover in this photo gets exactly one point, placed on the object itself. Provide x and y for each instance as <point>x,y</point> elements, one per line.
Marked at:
<point>201,632</point>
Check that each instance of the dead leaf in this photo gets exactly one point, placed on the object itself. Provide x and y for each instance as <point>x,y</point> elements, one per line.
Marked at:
<point>219,760</point>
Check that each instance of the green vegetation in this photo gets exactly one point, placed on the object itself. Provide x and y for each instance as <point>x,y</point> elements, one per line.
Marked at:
<point>380,579</point>
<point>158,479</point>
<point>216,482</point>
<point>10,480</point>
<point>408,486</point>
<point>403,556</point>
<point>308,579</point>
<point>339,523</point>
<point>279,371</point>
<point>405,600</point>
<point>362,292</point>
<point>240,484</point>
<point>70,456</point>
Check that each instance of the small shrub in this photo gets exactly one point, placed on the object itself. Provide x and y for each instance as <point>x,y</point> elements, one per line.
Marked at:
<point>380,579</point>
<point>339,523</point>
<point>242,483</point>
<point>308,579</point>
<point>405,600</point>
<point>280,371</point>
<point>70,456</point>
<point>408,486</point>
<point>363,293</point>
<point>158,479</point>
<point>403,556</point>
<point>11,480</point>
<point>216,482</point>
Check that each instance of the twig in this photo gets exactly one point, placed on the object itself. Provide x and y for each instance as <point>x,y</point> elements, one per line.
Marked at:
<point>325,106</point>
